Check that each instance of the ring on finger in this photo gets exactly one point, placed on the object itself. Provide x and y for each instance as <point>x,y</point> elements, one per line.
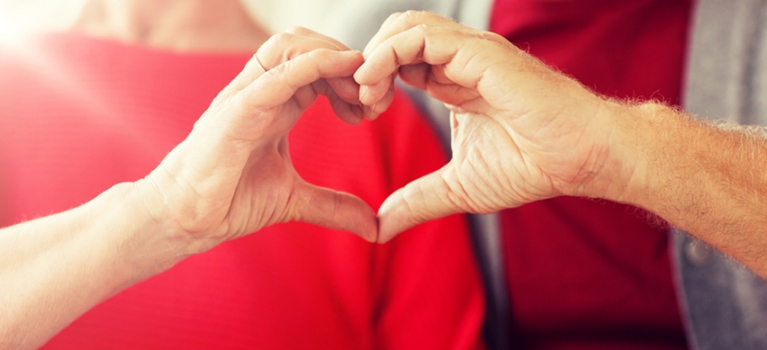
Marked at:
<point>258,64</point>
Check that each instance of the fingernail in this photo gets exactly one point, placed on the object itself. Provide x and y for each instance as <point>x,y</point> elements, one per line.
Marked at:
<point>363,92</point>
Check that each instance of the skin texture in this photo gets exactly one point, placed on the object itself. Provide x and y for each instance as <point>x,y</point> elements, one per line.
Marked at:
<point>231,176</point>
<point>520,132</point>
<point>506,108</point>
<point>523,132</point>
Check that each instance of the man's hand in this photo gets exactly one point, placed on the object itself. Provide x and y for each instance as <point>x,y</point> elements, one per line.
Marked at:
<point>233,174</point>
<point>521,132</point>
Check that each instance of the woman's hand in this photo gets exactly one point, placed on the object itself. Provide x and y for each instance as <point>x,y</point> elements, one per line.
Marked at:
<point>233,174</point>
<point>521,132</point>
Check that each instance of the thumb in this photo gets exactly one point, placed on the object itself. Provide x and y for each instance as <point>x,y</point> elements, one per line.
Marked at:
<point>335,210</point>
<point>424,199</point>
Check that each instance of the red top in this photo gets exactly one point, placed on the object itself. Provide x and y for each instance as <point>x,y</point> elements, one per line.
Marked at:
<point>78,115</point>
<point>588,274</point>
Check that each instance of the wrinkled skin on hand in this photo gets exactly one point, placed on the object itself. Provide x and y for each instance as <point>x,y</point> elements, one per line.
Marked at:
<point>233,174</point>
<point>521,132</point>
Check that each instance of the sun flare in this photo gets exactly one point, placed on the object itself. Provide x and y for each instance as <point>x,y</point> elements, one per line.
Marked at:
<point>21,18</point>
<point>12,30</point>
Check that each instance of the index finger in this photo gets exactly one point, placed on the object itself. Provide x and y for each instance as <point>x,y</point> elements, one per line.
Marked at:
<point>434,46</point>
<point>279,48</point>
<point>253,106</point>
<point>400,22</point>
<point>379,95</point>
<point>416,37</point>
<point>279,84</point>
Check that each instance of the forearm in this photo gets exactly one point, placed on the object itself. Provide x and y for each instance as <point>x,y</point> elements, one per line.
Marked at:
<point>54,269</point>
<point>705,179</point>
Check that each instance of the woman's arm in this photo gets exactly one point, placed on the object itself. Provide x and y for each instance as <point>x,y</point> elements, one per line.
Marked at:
<point>231,176</point>
<point>55,268</point>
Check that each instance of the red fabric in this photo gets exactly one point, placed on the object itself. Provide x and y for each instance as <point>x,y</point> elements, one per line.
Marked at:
<point>78,115</point>
<point>587,274</point>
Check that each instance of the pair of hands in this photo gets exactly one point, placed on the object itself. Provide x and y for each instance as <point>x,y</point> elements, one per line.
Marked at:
<point>520,132</point>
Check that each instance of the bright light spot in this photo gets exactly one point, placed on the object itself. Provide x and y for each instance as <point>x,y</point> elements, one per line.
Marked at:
<point>21,18</point>
<point>12,30</point>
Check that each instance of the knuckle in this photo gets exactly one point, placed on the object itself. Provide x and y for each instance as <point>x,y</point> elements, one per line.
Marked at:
<point>490,36</point>
<point>287,46</point>
<point>416,16</point>
<point>314,56</point>
<point>283,38</point>
<point>271,42</point>
<point>318,56</point>
<point>412,14</point>
<point>393,17</point>
<point>298,30</point>
<point>273,45</point>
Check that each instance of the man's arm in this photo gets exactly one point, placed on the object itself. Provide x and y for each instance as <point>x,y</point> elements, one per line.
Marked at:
<point>522,132</point>
<point>708,179</point>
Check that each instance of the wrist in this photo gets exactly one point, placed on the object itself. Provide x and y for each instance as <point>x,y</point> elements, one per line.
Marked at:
<point>632,147</point>
<point>622,173</point>
<point>57,267</point>
<point>140,237</point>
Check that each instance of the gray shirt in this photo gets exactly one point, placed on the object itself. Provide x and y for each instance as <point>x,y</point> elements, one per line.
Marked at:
<point>724,302</point>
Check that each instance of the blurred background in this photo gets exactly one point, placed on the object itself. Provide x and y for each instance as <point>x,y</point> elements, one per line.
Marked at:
<point>26,15</point>
<point>350,21</point>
